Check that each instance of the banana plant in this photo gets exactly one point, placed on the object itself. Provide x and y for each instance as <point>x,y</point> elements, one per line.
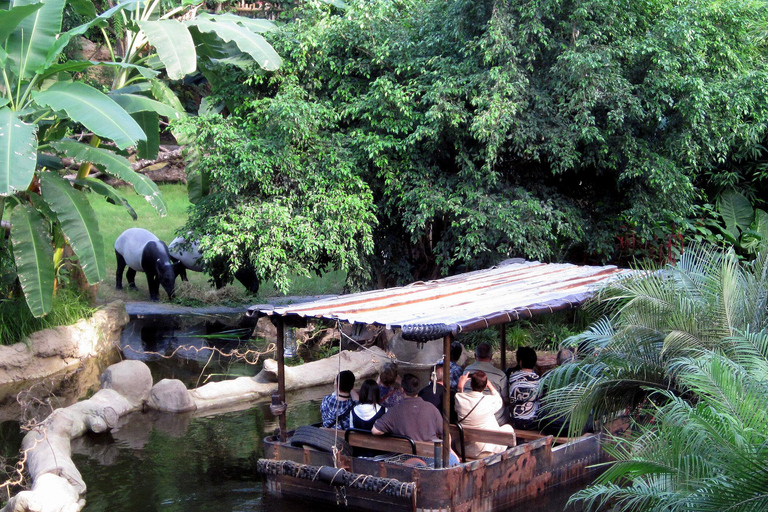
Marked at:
<point>41,106</point>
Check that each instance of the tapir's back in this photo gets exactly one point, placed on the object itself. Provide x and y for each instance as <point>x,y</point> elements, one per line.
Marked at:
<point>130,244</point>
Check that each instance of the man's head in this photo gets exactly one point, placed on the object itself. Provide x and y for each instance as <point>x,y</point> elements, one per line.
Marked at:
<point>346,381</point>
<point>526,357</point>
<point>439,373</point>
<point>478,380</point>
<point>456,350</point>
<point>565,355</point>
<point>484,352</point>
<point>410,384</point>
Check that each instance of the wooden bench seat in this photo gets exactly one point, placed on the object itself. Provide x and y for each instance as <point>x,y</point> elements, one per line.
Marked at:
<point>386,443</point>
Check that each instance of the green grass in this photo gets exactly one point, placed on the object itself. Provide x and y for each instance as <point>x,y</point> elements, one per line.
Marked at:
<point>113,220</point>
<point>17,322</point>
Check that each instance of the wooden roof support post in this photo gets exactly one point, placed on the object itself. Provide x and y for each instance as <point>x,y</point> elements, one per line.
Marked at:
<point>447,399</point>
<point>503,332</point>
<point>280,326</point>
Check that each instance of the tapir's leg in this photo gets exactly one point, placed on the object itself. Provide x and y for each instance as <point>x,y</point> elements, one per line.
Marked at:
<point>131,277</point>
<point>153,281</point>
<point>120,269</point>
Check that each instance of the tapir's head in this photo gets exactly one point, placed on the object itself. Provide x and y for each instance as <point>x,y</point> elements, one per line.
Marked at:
<point>165,272</point>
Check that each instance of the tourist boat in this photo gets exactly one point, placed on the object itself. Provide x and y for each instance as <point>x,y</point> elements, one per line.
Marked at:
<point>315,464</point>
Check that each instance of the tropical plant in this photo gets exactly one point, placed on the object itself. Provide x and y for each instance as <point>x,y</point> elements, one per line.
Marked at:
<point>707,453</point>
<point>735,222</point>
<point>44,113</point>
<point>655,317</point>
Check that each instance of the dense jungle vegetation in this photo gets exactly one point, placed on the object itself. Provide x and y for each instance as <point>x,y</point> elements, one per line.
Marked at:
<point>403,140</point>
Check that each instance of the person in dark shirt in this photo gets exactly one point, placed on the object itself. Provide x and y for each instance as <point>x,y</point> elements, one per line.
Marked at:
<point>433,393</point>
<point>335,408</point>
<point>524,390</point>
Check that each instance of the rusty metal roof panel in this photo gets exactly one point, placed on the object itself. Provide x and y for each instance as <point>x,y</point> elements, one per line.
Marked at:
<point>465,301</point>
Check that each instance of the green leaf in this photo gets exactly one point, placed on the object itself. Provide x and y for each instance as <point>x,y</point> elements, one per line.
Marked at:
<point>133,103</point>
<point>83,8</point>
<point>78,223</point>
<point>18,152</point>
<point>198,180</point>
<point>33,255</point>
<point>737,212</point>
<point>94,110</point>
<point>149,122</point>
<point>114,165</point>
<point>208,108</point>
<point>99,187</point>
<point>31,40</point>
<point>248,42</point>
<point>63,40</point>
<point>76,66</point>
<point>11,18</point>
<point>174,45</point>
<point>162,93</point>
<point>253,24</point>
<point>760,225</point>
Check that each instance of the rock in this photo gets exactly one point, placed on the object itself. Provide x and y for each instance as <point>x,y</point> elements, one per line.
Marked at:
<point>170,395</point>
<point>132,379</point>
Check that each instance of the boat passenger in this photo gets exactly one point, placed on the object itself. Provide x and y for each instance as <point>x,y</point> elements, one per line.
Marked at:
<point>456,370</point>
<point>335,408</point>
<point>433,393</point>
<point>483,358</point>
<point>412,417</point>
<point>390,393</point>
<point>368,410</point>
<point>476,410</point>
<point>524,390</point>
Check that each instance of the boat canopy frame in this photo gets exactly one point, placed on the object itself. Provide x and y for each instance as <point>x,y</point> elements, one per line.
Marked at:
<point>444,308</point>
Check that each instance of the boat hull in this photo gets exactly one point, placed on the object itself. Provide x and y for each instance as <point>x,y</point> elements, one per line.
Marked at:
<point>526,472</point>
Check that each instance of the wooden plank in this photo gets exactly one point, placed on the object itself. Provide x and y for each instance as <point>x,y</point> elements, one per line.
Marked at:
<point>386,444</point>
<point>532,435</point>
<point>481,435</point>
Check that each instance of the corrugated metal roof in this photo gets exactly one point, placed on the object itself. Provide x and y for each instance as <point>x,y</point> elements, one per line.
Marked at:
<point>466,302</point>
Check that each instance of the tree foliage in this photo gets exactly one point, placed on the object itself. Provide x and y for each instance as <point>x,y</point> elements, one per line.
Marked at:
<point>489,129</point>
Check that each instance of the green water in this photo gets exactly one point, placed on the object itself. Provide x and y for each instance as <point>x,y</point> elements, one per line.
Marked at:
<point>176,463</point>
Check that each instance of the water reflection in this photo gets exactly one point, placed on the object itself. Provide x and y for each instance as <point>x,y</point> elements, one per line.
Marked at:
<point>154,462</point>
<point>179,347</point>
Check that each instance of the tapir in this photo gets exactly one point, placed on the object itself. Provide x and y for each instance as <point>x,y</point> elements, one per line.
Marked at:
<point>191,259</point>
<point>142,251</point>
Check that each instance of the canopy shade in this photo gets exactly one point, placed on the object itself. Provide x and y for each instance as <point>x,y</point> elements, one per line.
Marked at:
<point>465,302</point>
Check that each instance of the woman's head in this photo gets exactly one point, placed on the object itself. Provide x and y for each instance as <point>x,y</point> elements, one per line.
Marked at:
<point>478,380</point>
<point>369,392</point>
<point>388,375</point>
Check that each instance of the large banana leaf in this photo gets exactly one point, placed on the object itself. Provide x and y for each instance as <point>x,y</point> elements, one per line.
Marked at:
<point>52,55</point>
<point>78,223</point>
<point>94,110</point>
<point>253,24</point>
<point>133,103</point>
<point>174,46</point>
<point>18,153</point>
<point>112,196</point>
<point>115,165</point>
<point>11,18</point>
<point>248,42</point>
<point>30,41</point>
<point>737,212</point>
<point>33,254</point>
<point>150,123</point>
